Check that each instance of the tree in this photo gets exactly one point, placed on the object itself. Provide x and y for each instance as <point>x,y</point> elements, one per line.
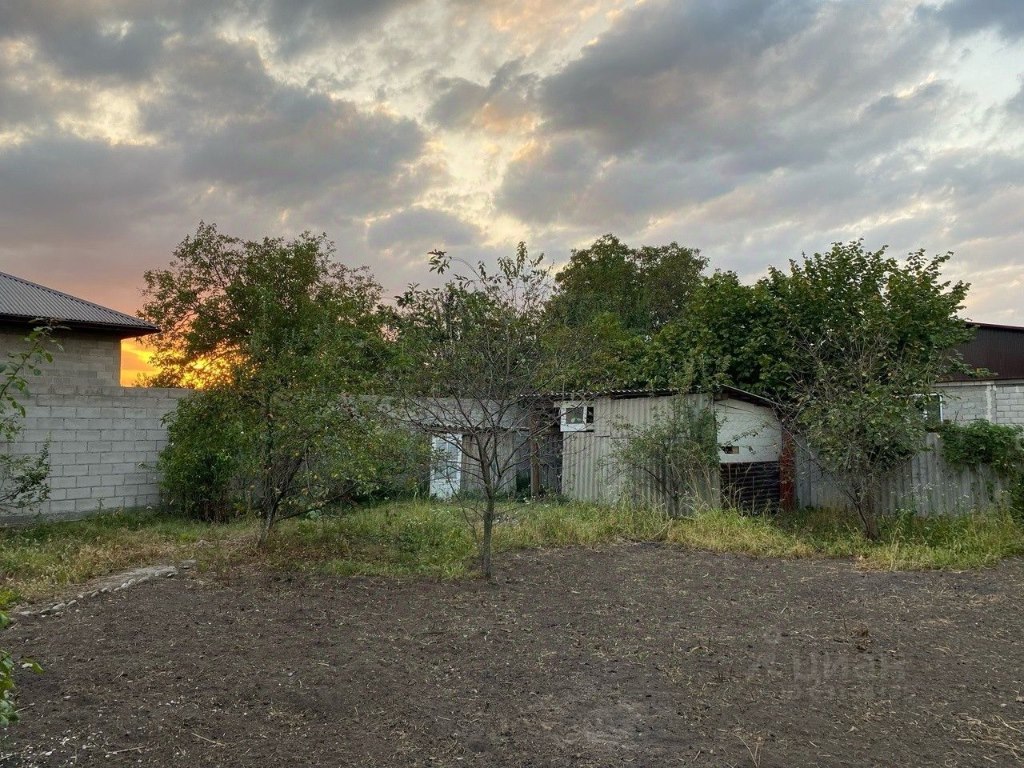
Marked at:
<point>283,343</point>
<point>868,337</point>
<point>644,288</point>
<point>860,420</point>
<point>478,368</point>
<point>619,297</point>
<point>228,306</point>
<point>729,334</point>
<point>847,295</point>
<point>845,343</point>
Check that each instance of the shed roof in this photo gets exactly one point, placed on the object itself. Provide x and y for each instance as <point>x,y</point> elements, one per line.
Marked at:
<point>22,301</point>
<point>627,394</point>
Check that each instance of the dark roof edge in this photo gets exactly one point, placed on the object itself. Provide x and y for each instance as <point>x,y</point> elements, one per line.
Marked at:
<point>996,326</point>
<point>125,331</point>
<point>624,394</point>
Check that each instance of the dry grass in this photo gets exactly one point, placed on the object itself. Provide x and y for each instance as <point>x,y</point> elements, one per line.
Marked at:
<point>40,560</point>
<point>433,539</point>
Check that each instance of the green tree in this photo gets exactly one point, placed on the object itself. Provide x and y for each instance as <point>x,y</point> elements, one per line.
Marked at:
<point>729,335</point>
<point>848,295</point>
<point>227,307</point>
<point>845,343</point>
<point>284,344</point>
<point>618,298</point>
<point>868,336</point>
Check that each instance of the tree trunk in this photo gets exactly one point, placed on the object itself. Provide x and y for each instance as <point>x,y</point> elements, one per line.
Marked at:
<point>267,501</point>
<point>490,492</point>
<point>267,523</point>
<point>866,508</point>
<point>485,542</point>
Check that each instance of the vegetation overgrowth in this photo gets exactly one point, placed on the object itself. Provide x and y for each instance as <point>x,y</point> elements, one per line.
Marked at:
<point>420,538</point>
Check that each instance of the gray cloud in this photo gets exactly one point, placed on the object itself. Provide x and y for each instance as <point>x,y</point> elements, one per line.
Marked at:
<point>86,39</point>
<point>281,143</point>
<point>63,189</point>
<point>681,103</point>
<point>544,185</point>
<point>421,227</point>
<point>665,61</point>
<point>966,16</point>
<point>1015,105</point>
<point>508,96</point>
<point>300,145</point>
<point>298,25</point>
<point>24,104</point>
<point>686,79</point>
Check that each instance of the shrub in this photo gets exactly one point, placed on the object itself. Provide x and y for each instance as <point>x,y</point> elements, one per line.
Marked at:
<point>1000,446</point>
<point>202,458</point>
<point>222,460</point>
<point>982,443</point>
<point>676,454</point>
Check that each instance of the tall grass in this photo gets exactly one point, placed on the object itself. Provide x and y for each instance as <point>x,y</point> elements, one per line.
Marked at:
<point>43,558</point>
<point>433,539</point>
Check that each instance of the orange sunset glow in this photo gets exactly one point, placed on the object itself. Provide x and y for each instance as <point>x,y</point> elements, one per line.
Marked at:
<point>134,362</point>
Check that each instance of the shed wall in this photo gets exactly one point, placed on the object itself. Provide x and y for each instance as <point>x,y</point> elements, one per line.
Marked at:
<point>84,359</point>
<point>589,471</point>
<point>1001,402</point>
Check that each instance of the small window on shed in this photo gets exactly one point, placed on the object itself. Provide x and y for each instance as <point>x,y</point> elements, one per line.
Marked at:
<point>577,417</point>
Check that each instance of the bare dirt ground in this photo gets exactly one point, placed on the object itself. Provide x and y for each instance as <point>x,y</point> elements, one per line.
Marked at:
<point>632,655</point>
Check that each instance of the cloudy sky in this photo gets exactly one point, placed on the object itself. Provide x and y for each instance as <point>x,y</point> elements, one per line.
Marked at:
<point>752,129</point>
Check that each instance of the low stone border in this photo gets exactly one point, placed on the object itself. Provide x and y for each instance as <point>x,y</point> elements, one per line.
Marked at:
<point>108,584</point>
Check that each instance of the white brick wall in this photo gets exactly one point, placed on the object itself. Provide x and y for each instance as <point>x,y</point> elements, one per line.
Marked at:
<point>83,360</point>
<point>1001,402</point>
<point>104,443</point>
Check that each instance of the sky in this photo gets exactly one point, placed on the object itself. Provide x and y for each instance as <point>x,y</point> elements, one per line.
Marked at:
<point>755,130</point>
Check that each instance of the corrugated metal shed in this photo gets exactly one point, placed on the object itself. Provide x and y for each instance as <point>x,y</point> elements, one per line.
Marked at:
<point>925,485</point>
<point>590,471</point>
<point>997,348</point>
<point>22,301</point>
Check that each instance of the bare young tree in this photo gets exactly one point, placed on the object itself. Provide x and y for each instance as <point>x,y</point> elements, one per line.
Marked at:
<point>478,369</point>
<point>674,456</point>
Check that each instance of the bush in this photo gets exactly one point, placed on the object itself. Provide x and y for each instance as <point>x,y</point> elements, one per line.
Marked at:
<point>982,443</point>
<point>220,464</point>
<point>202,458</point>
<point>1000,446</point>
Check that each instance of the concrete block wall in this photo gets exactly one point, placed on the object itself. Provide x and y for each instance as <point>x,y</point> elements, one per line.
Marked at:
<point>1001,402</point>
<point>104,443</point>
<point>84,359</point>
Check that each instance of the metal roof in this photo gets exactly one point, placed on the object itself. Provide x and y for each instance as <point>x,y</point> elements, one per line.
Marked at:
<point>628,394</point>
<point>23,301</point>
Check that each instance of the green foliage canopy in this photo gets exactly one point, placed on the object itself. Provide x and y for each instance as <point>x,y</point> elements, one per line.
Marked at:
<point>615,298</point>
<point>285,344</point>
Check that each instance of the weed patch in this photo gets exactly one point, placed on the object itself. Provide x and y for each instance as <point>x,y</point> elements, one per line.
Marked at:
<point>417,538</point>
